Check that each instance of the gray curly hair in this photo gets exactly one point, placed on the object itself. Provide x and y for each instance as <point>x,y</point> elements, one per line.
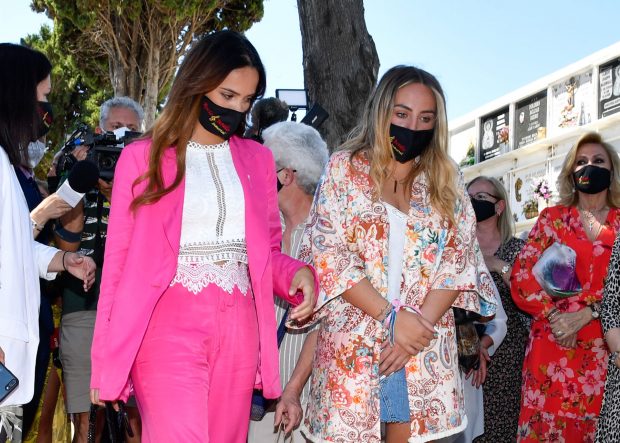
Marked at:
<point>300,147</point>
<point>119,102</point>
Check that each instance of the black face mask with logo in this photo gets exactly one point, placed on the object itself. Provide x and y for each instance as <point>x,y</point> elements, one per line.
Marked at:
<point>408,144</point>
<point>483,209</point>
<point>592,179</point>
<point>44,109</point>
<point>220,121</point>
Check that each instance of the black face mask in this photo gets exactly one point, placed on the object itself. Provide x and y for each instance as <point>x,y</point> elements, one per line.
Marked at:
<point>408,144</point>
<point>484,209</point>
<point>220,121</point>
<point>44,109</point>
<point>592,179</point>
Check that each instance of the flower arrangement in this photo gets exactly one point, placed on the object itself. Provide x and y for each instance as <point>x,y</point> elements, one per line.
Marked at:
<point>542,189</point>
<point>502,137</point>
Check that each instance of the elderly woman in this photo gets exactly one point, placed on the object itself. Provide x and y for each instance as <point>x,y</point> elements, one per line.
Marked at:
<point>608,430</point>
<point>394,244</point>
<point>566,358</point>
<point>500,376</point>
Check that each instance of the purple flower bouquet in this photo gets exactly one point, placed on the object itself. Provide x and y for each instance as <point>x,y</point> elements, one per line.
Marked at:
<point>556,271</point>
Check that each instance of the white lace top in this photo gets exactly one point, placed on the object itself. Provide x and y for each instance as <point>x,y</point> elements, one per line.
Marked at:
<point>213,248</point>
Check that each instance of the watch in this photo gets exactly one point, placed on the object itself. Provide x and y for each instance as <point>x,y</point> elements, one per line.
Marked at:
<point>505,269</point>
<point>595,311</point>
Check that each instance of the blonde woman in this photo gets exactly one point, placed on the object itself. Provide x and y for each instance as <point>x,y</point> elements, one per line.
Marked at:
<point>392,236</point>
<point>566,358</point>
<point>499,375</point>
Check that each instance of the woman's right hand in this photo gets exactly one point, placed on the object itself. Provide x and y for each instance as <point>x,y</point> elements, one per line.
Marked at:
<point>50,208</point>
<point>94,397</point>
<point>412,332</point>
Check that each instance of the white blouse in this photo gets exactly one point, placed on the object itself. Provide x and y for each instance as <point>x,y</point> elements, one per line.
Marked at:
<point>213,248</point>
<point>396,246</point>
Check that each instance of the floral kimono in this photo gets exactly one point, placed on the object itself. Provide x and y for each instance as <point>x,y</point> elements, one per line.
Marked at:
<point>347,240</point>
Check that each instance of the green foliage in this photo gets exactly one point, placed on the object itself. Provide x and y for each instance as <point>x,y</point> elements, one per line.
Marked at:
<point>138,44</point>
<point>75,96</point>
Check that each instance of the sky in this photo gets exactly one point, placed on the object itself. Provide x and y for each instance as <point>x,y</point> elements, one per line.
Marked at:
<point>479,50</point>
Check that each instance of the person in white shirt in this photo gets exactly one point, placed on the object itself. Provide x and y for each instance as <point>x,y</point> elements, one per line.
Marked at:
<point>22,260</point>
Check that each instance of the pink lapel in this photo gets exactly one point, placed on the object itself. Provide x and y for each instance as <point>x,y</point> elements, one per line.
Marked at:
<point>256,232</point>
<point>170,207</point>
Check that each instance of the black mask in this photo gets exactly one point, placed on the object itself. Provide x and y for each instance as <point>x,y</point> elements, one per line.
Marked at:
<point>484,209</point>
<point>407,144</point>
<point>220,121</point>
<point>44,109</point>
<point>592,179</point>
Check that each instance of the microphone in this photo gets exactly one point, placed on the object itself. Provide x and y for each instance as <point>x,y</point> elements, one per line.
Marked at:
<point>82,178</point>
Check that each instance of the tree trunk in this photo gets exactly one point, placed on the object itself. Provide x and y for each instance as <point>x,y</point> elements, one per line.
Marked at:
<point>152,79</point>
<point>340,62</point>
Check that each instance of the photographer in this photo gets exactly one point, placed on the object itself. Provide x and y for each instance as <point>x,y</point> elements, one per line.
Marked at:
<point>266,112</point>
<point>85,229</point>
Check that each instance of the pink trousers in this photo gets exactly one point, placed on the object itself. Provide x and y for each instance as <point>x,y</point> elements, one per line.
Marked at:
<point>195,370</point>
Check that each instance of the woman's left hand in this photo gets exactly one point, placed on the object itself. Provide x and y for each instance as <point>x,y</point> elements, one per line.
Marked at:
<point>569,323</point>
<point>303,281</point>
<point>81,267</point>
<point>479,375</point>
<point>392,359</point>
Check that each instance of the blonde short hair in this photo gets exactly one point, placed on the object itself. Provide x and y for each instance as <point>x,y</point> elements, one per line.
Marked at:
<point>566,183</point>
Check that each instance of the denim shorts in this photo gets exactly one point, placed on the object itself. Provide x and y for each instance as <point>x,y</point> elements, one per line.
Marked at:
<point>394,402</point>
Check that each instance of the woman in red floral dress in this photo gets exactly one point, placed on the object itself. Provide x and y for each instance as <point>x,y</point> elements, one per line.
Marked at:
<point>566,358</point>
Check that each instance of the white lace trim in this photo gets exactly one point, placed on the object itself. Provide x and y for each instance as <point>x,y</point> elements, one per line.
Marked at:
<point>234,250</point>
<point>195,145</point>
<point>194,275</point>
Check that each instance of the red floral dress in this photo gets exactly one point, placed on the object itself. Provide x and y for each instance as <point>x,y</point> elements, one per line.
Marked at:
<point>563,388</point>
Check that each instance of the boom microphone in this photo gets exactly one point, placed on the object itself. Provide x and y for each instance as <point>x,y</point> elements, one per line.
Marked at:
<point>82,178</point>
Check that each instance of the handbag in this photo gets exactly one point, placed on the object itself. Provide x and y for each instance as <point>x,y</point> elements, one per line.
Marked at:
<point>116,423</point>
<point>260,405</point>
<point>467,339</point>
<point>282,437</point>
<point>556,271</point>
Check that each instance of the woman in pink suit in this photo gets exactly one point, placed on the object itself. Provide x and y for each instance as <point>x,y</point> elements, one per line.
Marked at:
<point>193,259</point>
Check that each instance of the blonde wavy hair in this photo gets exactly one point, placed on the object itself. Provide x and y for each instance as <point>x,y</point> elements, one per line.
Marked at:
<point>566,184</point>
<point>505,223</point>
<point>372,138</point>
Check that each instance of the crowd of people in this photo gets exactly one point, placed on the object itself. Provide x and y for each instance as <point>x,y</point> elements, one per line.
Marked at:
<point>380,256</point>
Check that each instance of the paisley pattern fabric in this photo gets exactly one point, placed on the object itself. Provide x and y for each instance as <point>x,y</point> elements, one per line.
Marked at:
<point>562,388</point>
<point>347,240</point>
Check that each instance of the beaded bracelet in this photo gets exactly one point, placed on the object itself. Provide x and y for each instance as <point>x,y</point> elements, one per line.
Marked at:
<point>389,322</point>
<point>384,312</point>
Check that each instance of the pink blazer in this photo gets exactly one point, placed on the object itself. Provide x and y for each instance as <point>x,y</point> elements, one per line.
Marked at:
<point>141,259</point>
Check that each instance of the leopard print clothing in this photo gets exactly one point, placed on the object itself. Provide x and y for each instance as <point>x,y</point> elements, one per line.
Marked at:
<point>608,430</point>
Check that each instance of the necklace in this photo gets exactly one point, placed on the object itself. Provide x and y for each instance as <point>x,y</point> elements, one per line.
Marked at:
<point>591,218</point>
<point>398,182</point>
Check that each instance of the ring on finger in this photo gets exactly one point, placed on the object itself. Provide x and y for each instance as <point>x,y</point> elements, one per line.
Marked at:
<point>559,333</point>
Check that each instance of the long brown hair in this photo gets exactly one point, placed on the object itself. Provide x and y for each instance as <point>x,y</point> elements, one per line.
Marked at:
<point>206,66</point>
<point>372,138</point>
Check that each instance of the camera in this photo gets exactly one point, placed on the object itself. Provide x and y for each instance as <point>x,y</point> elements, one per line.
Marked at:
<point>104,150</point>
